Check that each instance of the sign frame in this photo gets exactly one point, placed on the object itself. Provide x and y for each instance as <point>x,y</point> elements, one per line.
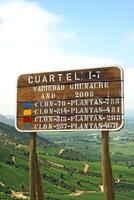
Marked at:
<point>83,130</point>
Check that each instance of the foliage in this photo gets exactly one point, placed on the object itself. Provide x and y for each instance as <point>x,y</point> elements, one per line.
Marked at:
<point>63,173</point>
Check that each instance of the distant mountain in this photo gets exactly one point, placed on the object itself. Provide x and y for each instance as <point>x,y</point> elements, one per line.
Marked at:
<point>129,115</point>
<point>9,119</point>
<point>21,138</point>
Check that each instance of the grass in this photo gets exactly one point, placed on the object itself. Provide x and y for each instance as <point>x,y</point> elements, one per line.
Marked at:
<point>13,177</point>
<point>58,183</point>
<point>96,196</point>
<point>67,163</point>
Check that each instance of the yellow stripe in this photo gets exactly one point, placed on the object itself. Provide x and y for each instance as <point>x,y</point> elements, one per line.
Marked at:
<point>27,112</point>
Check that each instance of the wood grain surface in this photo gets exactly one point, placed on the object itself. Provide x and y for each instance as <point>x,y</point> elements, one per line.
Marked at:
<point>87,93</point>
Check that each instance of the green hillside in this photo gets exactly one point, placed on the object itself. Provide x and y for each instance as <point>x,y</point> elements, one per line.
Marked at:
<point>70,169</point>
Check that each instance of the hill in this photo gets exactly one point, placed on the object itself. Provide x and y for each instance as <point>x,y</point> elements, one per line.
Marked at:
<point>9,120</point>
<point>70,169</point>
<point>18,137</point>
<point>14,160</point>
<point>129,115</point>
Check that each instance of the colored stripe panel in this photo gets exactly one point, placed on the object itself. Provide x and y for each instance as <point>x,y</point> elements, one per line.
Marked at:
<point>27,112</point>
<point>27,126</point>
<point>27,105</point>
<point>27,119</point>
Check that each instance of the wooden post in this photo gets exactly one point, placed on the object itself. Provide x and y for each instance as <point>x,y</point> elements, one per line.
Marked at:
<point>38,181</point>
<point>106,168</point>
<point>32,170</point>
<point>112,181</point>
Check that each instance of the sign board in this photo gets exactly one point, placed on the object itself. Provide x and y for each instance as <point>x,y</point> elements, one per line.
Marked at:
<point>71,100</point>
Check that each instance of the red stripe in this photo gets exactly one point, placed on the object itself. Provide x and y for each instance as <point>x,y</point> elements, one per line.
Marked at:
<point>27,119</point>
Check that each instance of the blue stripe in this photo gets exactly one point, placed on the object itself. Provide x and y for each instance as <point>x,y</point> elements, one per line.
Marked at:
<point>27,105</point>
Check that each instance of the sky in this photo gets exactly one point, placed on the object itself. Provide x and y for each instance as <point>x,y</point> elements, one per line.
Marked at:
<point>50,35</point>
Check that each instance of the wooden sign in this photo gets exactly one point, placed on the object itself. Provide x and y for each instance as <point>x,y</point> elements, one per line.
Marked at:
<point>71,100</point>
